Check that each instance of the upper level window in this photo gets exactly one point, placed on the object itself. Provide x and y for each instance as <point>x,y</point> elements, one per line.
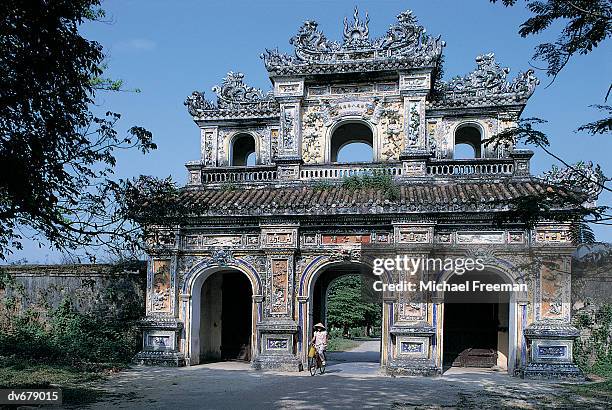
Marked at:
<point>468,142</point>
<point>352,142</point>
<point>242,151</point>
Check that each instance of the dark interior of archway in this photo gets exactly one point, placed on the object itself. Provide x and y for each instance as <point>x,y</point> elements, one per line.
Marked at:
<point>470,326</point>
<point>242,147</point>
<point>472,321</point>
<point>349,133</point>
<point>225,317</point>
<point>470,136</point>
<point>236,317</point>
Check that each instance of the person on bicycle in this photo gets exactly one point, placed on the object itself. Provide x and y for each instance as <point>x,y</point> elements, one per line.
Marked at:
<point>319,340</point>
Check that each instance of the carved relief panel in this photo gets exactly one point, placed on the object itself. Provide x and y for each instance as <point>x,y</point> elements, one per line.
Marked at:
<point>290,130</point>
<point>554,288</point>
<point>208,145</point>
<point>279,285</point>
<point>414,123</point>
<point>161,286</point>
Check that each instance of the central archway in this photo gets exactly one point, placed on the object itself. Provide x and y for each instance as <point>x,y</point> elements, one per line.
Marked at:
<point>316,283</point>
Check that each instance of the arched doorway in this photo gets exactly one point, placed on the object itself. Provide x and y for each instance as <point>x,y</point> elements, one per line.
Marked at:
<point>477,326</point>
<point>343,299</point>
<point>223,317</point>
<point>352,142</point>
<point>468,142</point>
<point>243,150</point>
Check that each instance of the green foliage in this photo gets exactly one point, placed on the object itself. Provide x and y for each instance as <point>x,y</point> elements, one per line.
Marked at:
<point>593,353</point>
<point>587,23</point>
<point>349,307</point>
<point>378,181</point>
<point>340,344</point>
<point>69,337</point>
<point>323,185</point>
<point>56,156</point>
<point>31,330</point>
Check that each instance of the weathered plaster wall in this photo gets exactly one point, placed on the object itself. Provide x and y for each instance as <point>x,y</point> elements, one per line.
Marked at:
<point>106,289</point>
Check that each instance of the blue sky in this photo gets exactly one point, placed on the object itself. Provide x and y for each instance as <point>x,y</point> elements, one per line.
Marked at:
<point>167,49</point>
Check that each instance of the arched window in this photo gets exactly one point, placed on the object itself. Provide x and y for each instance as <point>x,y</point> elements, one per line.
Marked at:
<point>352,142</point>
<point>243,150</point>
<point>468,142</point>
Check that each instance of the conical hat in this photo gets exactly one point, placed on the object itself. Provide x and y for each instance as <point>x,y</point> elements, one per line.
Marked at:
<point>320,325</point>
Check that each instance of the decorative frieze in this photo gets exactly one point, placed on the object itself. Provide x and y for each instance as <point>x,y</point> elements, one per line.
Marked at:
<point>207,241</point>
<point>289,88</point>
<point>480,237</point>
<point>413,233</point>
<point>420,82</point>
<point>345,239</point>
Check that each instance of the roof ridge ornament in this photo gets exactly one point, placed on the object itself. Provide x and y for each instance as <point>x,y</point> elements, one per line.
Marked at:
<point>488,80</point>
<point>589,178</point>
<point>405,45</point>
<point>232,94</point>
<point>356,36</point>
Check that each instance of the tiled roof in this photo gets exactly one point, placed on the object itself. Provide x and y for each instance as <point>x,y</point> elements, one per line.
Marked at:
<point>308,199</point>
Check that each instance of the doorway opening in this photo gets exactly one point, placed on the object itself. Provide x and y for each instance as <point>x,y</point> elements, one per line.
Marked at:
<point>476,326</point>
<point>345,302</point>
<point>226,317</point>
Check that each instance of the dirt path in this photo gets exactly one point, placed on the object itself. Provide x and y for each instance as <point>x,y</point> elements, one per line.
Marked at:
<point>236,386</point>
<point>362,360</point>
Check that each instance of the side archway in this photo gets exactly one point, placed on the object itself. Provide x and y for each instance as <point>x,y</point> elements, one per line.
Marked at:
<point>506,315</point>
<point>205,280</point>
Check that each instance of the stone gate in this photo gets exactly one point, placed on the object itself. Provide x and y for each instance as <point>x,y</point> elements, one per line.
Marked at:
<point>237,279</point>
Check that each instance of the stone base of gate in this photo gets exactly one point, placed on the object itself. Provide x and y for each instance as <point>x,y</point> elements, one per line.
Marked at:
<point>277,341</point>
<point>413,367</point>
<point>551,347</point>
<point>160,358</point>
<point>412,351</point>
<point>550,371</point>
<point>160,342</point>
<point>278,363</point>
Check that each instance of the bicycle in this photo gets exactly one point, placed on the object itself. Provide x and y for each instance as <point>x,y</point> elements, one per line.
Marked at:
<point>315,361</point>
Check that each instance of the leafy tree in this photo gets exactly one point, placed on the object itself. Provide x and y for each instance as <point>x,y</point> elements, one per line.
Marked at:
<point>57,156</point>
<point>586,25</point>
<point>348,306</point>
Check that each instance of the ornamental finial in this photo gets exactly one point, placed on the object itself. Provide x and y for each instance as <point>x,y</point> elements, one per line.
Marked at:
<point>356,34</point>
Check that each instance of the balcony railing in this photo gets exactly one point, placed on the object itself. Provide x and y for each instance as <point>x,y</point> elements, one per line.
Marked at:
<point>341,171</point>
<point>432,168</point>
<point>238,174</point>
<point>481,166</point>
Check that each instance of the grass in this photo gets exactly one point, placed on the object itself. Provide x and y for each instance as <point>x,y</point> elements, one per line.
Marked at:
<point>77,383</point>
<point>597,390</point>
<point>340,344</point>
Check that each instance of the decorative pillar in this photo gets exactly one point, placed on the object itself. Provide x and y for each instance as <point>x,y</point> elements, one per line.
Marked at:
<point>278,330</point>
<point>414,88</point>
<point>413,332</point>
<point>521,159</point>
<point>289,94</point>
<point>550,338</point>
<point>161,326</point>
